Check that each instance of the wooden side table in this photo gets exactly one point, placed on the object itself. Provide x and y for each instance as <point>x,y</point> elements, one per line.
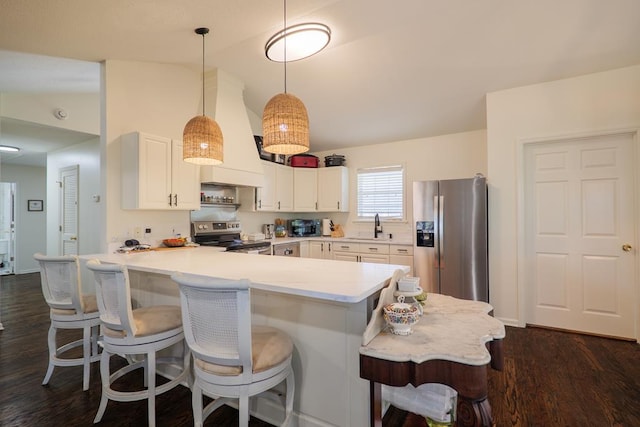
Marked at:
<point>453,343</point>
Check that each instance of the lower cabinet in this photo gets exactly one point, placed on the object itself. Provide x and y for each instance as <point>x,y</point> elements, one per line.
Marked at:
<point>378,253</point>
<point>401,255</point>
<point>320,250</point>
<point>361,252</point>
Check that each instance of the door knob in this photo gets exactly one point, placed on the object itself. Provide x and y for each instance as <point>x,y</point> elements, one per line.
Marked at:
<point>627,247</point>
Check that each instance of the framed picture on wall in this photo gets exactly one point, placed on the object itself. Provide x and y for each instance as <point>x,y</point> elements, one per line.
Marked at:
<point>34,205</point>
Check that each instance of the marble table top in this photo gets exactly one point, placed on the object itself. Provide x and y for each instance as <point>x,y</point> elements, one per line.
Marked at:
<point>450,329</point>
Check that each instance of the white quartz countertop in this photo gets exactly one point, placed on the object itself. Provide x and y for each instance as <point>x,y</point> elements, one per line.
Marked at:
<point>450,329</point>
<point>339,281</point>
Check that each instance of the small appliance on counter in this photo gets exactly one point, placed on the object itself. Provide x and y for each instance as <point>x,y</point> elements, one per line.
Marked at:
<point>268,230</point>
<point>304,227</point>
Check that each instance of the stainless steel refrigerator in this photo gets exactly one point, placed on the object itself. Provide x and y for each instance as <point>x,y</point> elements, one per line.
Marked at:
<point>450,243</point>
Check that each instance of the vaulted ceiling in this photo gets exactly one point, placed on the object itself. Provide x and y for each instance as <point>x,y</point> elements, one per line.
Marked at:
<point>392,71</point>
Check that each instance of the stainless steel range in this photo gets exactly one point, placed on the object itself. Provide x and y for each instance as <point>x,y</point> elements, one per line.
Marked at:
<point>226,234</point>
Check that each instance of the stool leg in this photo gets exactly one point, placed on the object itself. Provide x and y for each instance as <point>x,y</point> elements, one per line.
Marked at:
<point>104,375</point>
<point>196,403</point>
<point>151,381</point>
<point>86,356</point>
<point>52,353</point>
<point>243,408</point>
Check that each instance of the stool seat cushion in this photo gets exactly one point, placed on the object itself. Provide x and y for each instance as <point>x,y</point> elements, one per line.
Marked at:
<point>269,348</point>
<point>89,302</point>
<point>151,320</point>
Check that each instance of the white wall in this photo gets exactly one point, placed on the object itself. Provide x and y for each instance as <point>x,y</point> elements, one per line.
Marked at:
<point>460,155</point>
<point>82,109</point>
<point>588,104</point>
<point>157,99</point>
<point>30,226</point>
<point>90,221</point>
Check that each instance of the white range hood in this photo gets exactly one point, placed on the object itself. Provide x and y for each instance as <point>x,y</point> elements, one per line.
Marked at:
<point>225,104</point>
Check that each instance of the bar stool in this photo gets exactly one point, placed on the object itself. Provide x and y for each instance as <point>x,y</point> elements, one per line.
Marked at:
<point>233,359</point>
<point>130,332</point>
<point>69,309</point>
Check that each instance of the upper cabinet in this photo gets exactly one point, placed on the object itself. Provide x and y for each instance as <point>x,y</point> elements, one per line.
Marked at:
<point>305,189</point>
<point>154,176</point>
<point>277,192</point>
<point>288,189</point>
<point>333,189</point>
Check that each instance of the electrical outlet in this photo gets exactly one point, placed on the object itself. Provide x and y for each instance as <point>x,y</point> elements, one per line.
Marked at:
<point>137,232</point>
<point>147,230</point>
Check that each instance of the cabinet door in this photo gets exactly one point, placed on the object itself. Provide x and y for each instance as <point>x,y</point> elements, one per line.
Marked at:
<point>375,258</point>
<point>284,188</point>
<point>333,189</point>
<point>185,180</point>
<point>345,256</point>
<point>305,189</point>
<point>266,196</point>
<point>402,260</point>
<point>146,171</point>
<point>316,250</point>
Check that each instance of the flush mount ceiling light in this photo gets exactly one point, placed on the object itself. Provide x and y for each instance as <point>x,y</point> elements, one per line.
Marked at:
<point>8,148</point>
<point>301,41</point>
<point>285,122</point>
<point>202,137</point>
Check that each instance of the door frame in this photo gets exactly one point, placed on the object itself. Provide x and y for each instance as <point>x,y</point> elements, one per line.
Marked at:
<point>521,145</point>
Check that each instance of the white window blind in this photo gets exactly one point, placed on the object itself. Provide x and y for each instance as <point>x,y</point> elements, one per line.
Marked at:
<point>381,191</point>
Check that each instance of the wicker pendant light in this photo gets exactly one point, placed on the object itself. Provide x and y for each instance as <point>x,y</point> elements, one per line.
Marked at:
<point>202,137</point>
<point>285,123</point>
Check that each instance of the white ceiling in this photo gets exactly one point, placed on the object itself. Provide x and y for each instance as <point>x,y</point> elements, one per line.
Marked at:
<point>393,70</point>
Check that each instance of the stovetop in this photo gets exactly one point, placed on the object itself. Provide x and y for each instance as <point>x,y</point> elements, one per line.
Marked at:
<point>222,234</point>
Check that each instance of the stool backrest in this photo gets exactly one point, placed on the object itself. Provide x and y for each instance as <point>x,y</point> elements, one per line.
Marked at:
<point>216,317</point>
<point>113,294</point>
<point>60,280</point>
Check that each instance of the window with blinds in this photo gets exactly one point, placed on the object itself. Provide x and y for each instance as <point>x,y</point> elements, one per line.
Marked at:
<point>381,191</point>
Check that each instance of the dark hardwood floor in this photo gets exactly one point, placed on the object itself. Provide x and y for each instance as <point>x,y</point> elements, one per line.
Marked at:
<point>550,378</point>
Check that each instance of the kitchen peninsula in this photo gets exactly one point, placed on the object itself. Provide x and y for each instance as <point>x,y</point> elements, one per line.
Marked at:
<point>324,305</point>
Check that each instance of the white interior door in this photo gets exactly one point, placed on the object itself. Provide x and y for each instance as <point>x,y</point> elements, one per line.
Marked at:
<point>580,235</point>
<point>69,210</point>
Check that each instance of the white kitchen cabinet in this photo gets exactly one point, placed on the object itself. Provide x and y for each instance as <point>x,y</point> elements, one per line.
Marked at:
<point>277,192</point>
<point>320,249</point>
<point>305,189</point>
<point>361,252</point>
<point>154,176</point>
<point>401,255</point>
<point>333,189</point>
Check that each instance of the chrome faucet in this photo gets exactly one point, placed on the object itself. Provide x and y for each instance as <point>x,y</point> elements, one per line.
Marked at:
<point>377,228</point>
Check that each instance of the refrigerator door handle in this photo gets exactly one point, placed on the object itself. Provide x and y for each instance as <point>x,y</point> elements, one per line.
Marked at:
<point>441,231</point>
<point>436,233</point>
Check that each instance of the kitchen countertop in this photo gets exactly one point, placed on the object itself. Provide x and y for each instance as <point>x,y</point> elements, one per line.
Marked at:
<point>314,278</point>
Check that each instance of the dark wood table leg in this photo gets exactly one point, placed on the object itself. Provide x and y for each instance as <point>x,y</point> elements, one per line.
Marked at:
<point>375,406</point>
<point>473,412</point>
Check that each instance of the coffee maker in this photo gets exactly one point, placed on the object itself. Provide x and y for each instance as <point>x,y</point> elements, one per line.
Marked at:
<point>268,229</point>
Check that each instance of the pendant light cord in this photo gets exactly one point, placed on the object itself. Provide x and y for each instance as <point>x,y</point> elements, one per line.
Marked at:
<point>203,113</point>
<point>285,46</point>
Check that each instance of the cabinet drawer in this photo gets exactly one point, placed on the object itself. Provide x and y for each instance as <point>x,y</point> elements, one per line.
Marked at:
<point>373,248</point>
<point>345,247</point>
<point>400,250</point>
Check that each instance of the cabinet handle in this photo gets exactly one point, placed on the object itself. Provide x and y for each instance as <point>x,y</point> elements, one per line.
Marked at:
<point>175,200</point>
<point>373,249</point>
<point>170,200</point>
<point>329,246</point>
<point>321,247</point>
<point>344,247</point>
<point>316,205</point>
<point>402,250</point>
<point>260,204</point>
<point>338,204</point>
<point>278,205</point>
